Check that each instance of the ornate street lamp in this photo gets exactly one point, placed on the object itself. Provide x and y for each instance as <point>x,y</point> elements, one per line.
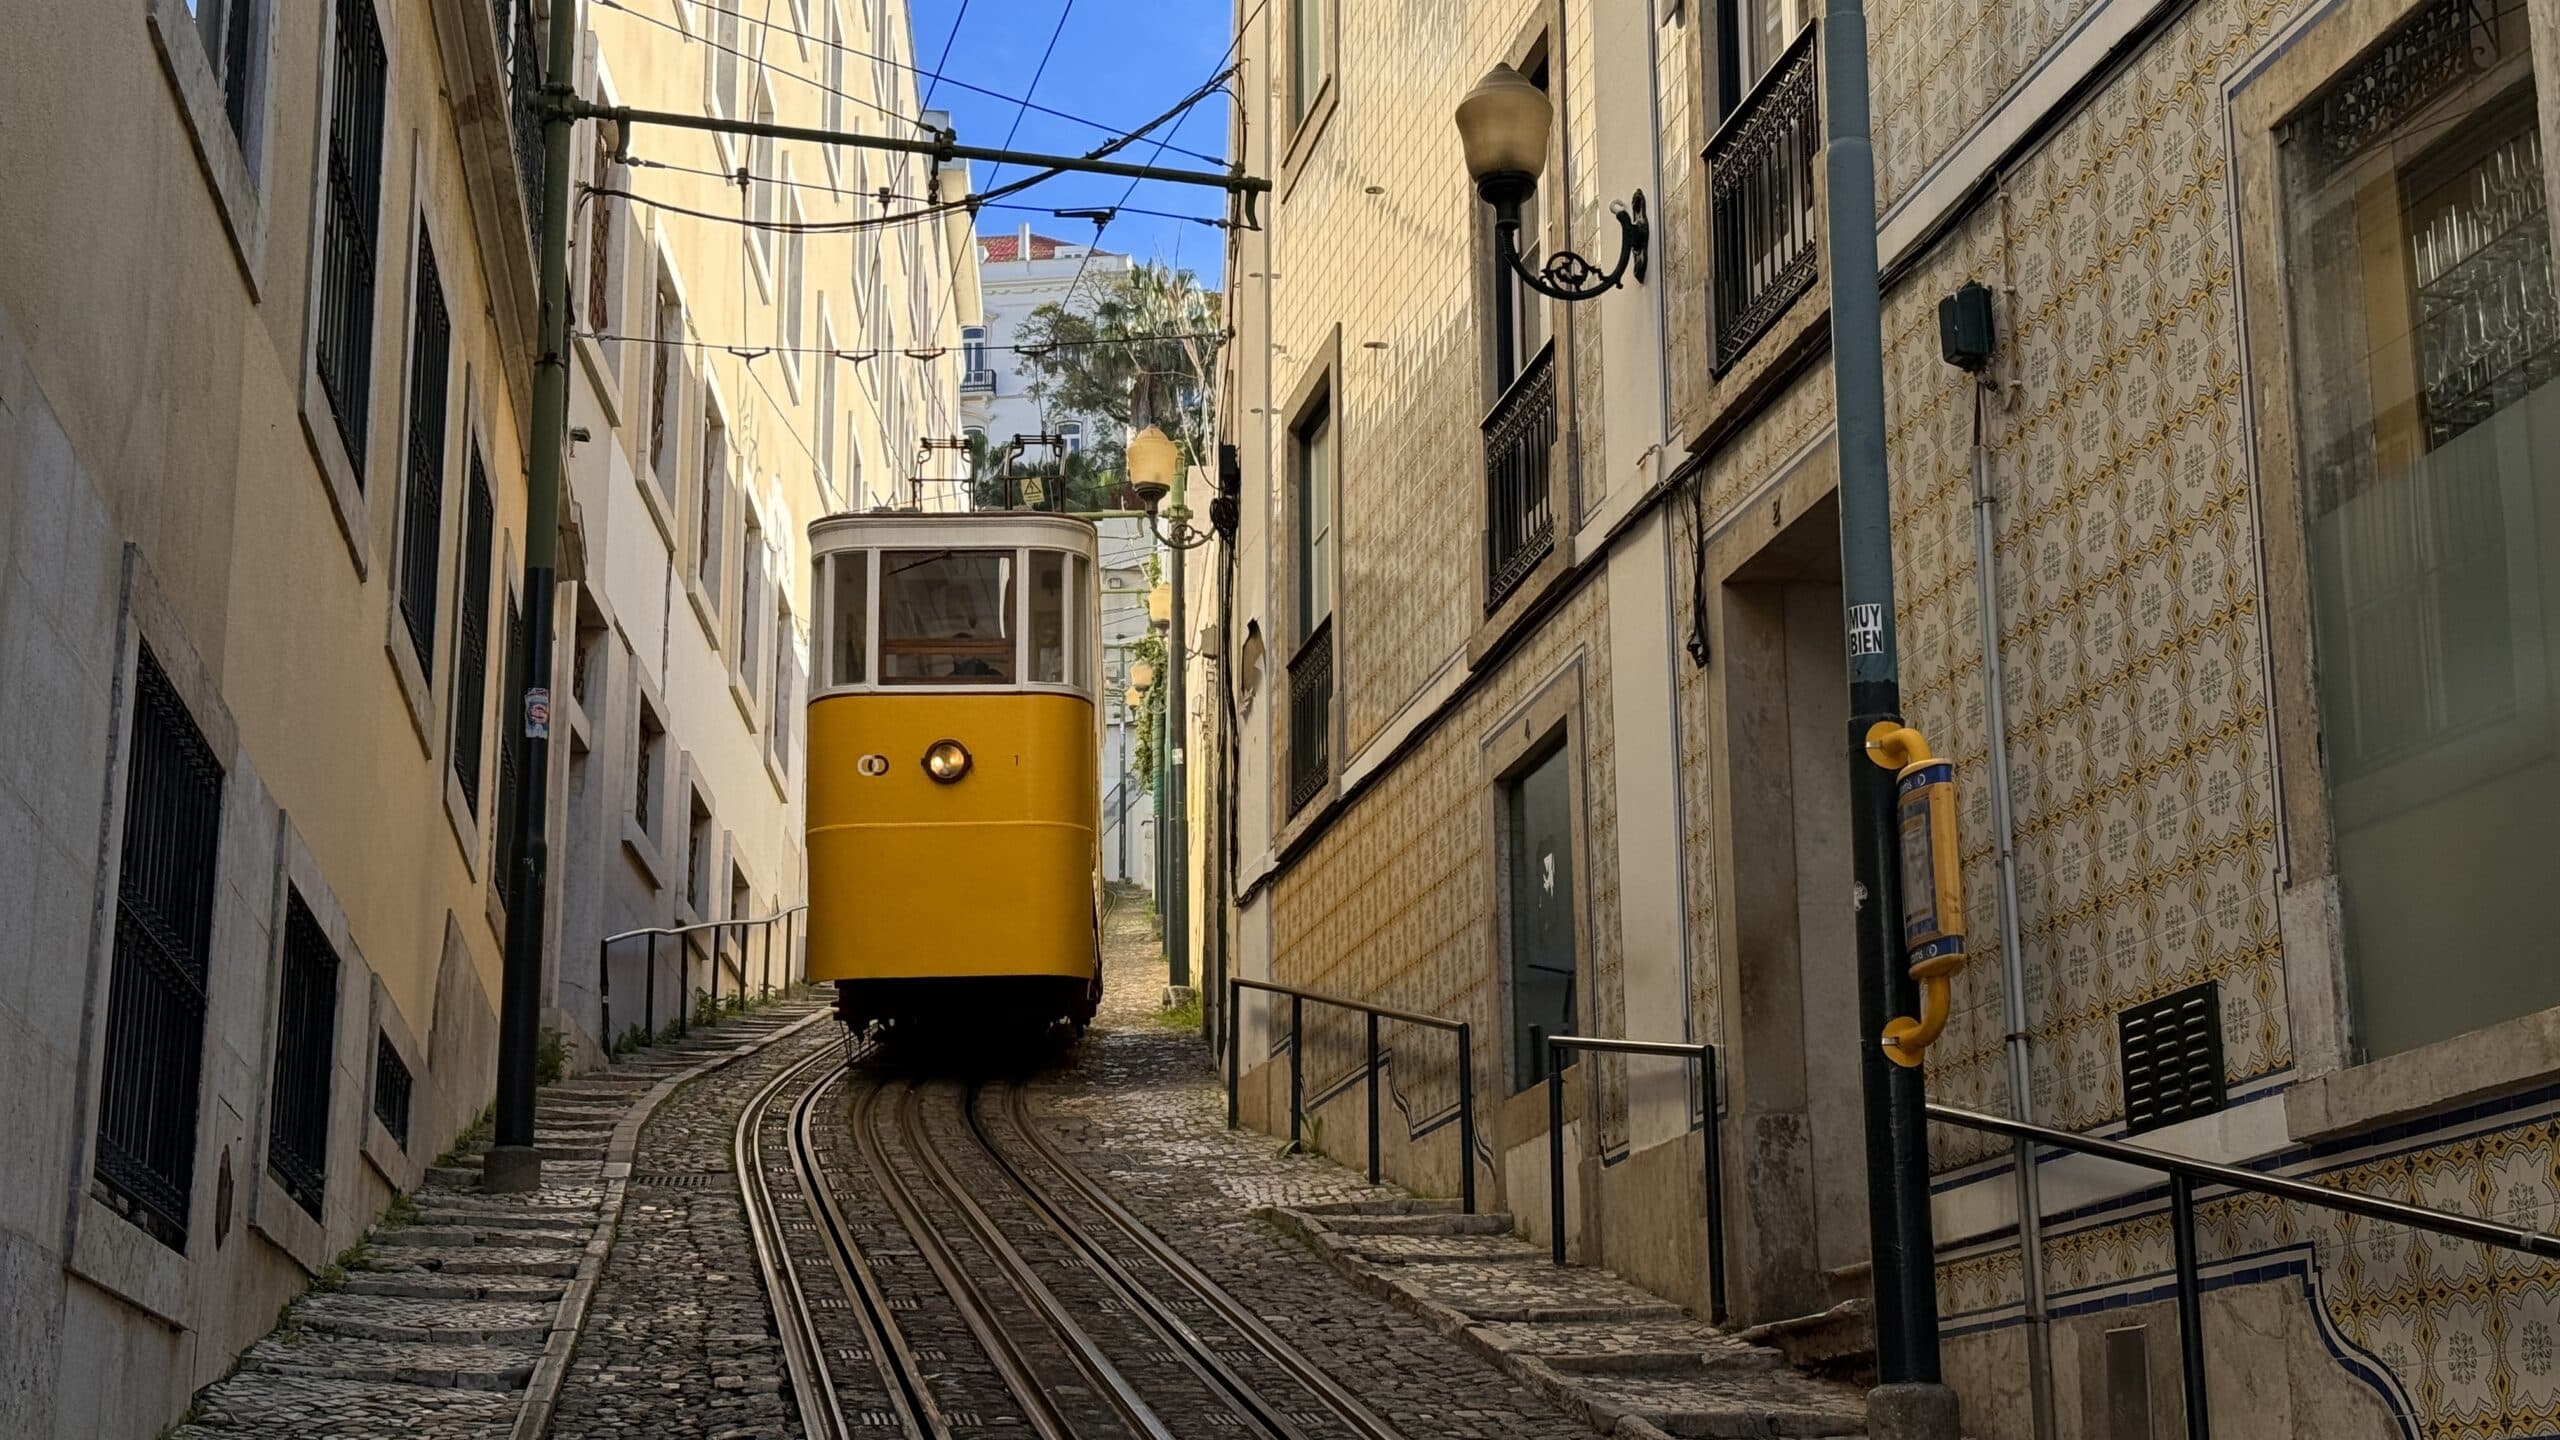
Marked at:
<point>1503,125</point>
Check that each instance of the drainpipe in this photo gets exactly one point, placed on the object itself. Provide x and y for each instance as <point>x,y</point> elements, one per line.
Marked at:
<point>2013,999</point>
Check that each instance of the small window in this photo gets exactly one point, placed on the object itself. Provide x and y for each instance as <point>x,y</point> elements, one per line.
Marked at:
<point>714,494</point>
<point>648,765</point>
<point>1311,469</point>
<point>762,185</point>
<point>422,497</point>
<point>391,1086</point>
<point>698,858</point>
<point>751,618</point>
<point>794,283</point>
<point>1049,628</point>
<point>471,658</point>
<point>724,57</point>
<point>1072,433</point>
<point>786,663</point>
<point>666,333</point>
<point>352,176</point>
<point>946,617</point>
<point>849,636</point>
<point>233,32</point>
<point>510,787</point>
<point>306,1051</point>
<point>973,347</point>
<point>1308,62</point>
<point>600,241</point>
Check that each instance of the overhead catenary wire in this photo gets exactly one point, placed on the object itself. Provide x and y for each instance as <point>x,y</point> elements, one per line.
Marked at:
<point>970,202</point>
<point>757,59</point>
<point>919,352</point>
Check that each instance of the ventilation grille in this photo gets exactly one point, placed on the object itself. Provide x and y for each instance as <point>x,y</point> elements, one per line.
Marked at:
<point>2172,1054</point>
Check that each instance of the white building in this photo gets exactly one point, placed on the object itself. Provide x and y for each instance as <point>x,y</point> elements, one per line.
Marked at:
<point>1128,804</point>
<point>1020,273</point>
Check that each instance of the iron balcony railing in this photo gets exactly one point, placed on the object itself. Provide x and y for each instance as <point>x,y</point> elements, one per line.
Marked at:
<point>2186,1174</point>
<point>977,381</point>
<point>736,930</point>
<point>1311,717</point>
<point>524,99</point>
<point>1520,527</point>
<point>1761,179</point>
<point>1703,1057</point>
<point>1298,1001</point>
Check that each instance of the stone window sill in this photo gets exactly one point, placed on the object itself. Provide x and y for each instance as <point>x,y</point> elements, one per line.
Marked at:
<point>227,168</point>
<point>2511,1055</point>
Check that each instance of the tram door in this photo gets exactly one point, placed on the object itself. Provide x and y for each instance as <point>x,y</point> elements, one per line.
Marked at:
<point>1538,821</point>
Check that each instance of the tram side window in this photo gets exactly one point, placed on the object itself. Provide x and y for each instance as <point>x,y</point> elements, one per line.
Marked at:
<point>851,630</point>
<point>946,617</point>
<point>1080,605</point>
<point>1048,617</point>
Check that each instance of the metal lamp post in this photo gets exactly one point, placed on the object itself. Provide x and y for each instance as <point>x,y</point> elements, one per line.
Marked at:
<point>1503,125</point>
<point>1156,471</point>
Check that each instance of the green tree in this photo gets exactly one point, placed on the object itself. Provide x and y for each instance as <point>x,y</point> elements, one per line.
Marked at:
<point>1137,348</point>
<point>1032,480</point>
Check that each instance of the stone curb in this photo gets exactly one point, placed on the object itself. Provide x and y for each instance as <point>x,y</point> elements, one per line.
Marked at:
<point>542,1393</point>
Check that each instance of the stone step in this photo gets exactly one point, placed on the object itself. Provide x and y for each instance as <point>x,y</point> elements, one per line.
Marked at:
<point>1431,1248</point>
<point>1405,1205</point>
<point>1431,1222</point>
<point>476,1234</point>
<point>399,1320</point>
<point>476,1260</point>
<point>444,1210</point>
<point>1839,1342</point>
<point>1720,1403</point>
<point>448,1288</point>
<point>376,1362</point>
<point>265,1406</point>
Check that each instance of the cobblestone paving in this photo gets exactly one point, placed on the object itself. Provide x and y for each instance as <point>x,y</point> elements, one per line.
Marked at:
<point>1141,1108</point>
<point>679,1342</point>
<point>440,1320</point>
<point>1450,1324</point>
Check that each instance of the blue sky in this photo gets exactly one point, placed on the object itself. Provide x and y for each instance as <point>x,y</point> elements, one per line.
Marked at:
<point>1120,62</point>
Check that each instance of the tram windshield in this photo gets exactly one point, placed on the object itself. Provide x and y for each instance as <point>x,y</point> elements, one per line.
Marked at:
<point>946,617</point>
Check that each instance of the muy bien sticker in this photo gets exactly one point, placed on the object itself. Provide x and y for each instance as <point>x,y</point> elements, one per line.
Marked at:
<point>537,713</point>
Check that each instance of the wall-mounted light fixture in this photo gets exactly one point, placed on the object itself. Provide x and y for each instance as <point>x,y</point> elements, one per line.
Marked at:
<point>1503,125</point>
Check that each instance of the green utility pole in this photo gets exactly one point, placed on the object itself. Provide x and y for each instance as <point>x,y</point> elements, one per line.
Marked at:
<point>513,1163</point>
<point>1178,817</point>
<point>1911,1401</point>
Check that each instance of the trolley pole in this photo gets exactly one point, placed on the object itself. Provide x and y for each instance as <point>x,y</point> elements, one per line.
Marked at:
<point>513,1163</point>
<point>1177,818</point>
<point>1911,1401</point>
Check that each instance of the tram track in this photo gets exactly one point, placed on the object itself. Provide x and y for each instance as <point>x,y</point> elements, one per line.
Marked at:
<point>1090,1324</point>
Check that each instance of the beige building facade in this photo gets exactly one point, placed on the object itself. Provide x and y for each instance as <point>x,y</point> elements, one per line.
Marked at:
<point>266,327</point>
<point>2266,445</point>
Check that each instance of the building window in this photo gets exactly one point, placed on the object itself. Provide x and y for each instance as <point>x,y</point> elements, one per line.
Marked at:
<point>1520,313</point>
<point>1071,435</point>
<point>471,660</point>
<point>849,632</point>
<point>648,763</point>
<point>786,677</point>
<point>724,58</point>
<point>353,204</point>
<point>666,332</point>
<point>714,492</point>
<point>973,350</point>
<point>154,1047</point>
<point>1309,64</point>
<point>391,1085</point>
<point>794,296</point>
<point>600,241</point>
<point>835,90</point>
<point>698,858</point>
<point>1750,36</point>
<point>306,1056</point>
<point>509,848</point>
<point>2426,355</point>
<point>826,420</point>
<point>422,510</point>
<point>1311,584</point>
<point>761,187</point>
<point>234,33</point>
<point>751,618</point>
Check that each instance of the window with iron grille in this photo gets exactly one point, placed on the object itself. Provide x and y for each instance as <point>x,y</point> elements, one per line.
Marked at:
<point>524,90</point>
<point>471,661</point>
<point>751,618</point>
<point>715,495</point>
<point>644,769</point>
<point>510,706</point>
<point>666,330</point>
<point>422,514</point>
<point>390,1089</point>
<point>785,675</point>
<point>306,1051</point>
<point>353,206</point>
<point>600,243</point>
<point>156,992</point>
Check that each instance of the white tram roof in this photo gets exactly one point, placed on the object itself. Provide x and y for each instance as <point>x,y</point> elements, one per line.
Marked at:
<point>959,530</point>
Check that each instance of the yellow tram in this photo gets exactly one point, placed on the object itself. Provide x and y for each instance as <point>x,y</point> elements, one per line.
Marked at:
<point>954,811</point>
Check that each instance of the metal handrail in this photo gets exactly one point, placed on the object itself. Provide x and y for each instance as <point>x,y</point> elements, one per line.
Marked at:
<point>1701,1056</point>
<point>2185,1173</point>
<point>1297,1068</point>
<point>684,1012</point>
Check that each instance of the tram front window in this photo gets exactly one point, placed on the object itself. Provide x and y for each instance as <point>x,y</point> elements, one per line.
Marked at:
<point>946,617</point>
<point>1048,617</point>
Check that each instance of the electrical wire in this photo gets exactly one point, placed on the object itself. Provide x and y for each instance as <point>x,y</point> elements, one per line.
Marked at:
<point>973,202</point>
<point>1023,101</point>
<point>758,61</point>
<point>947,42</point>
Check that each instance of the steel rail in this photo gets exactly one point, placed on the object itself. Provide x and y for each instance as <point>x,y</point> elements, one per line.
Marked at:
<point>1080,1344</point>
<point>1177,1335</point>
<point>804,1350</point>
<point>909,1395</point>
<point>1010,1364</point>
<point>1241,1317</point>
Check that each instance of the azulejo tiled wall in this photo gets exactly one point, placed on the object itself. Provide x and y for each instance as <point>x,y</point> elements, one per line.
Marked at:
<point>1394,902</point>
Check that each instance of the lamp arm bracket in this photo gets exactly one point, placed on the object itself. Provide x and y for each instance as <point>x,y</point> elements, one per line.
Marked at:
<point>1568,276</point>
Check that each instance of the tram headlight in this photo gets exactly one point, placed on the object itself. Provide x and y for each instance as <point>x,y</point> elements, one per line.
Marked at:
<point>947,762</point>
